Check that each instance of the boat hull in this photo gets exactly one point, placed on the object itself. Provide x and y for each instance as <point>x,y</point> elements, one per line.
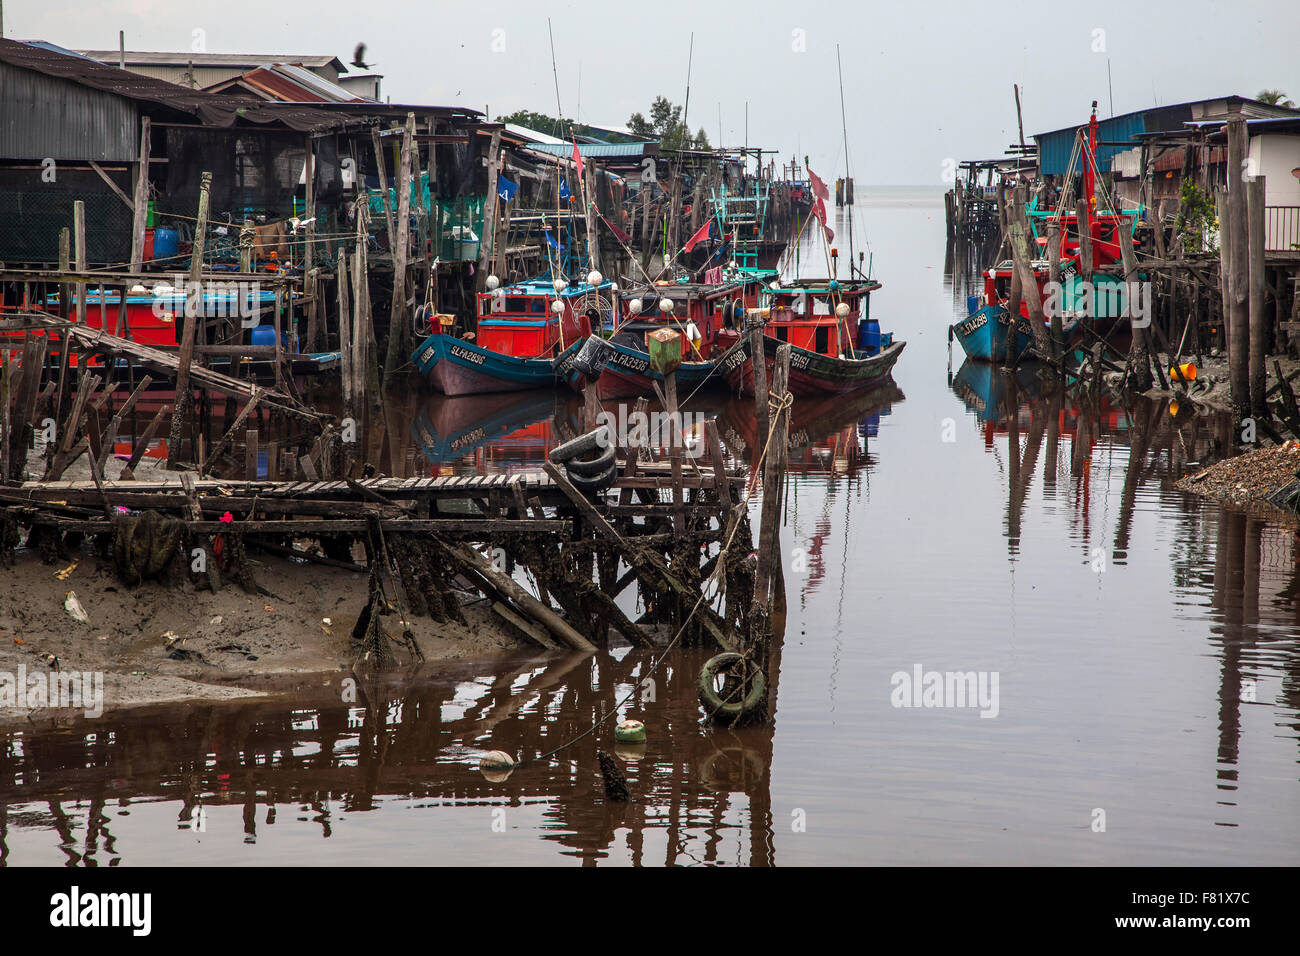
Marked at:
<point>811,373</point>
<point>456,367</point>
<point>628,374</point>
<point>985,334</point>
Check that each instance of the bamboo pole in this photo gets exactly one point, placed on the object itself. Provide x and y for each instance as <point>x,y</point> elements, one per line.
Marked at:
<point>194,311</point>
<point>1257,374</point>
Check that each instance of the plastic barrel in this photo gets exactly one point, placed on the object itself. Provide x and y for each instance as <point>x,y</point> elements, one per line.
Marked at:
<point>166,243</point>
<point>262,335</point>
<point>972,304</point>
<point>869,337</point>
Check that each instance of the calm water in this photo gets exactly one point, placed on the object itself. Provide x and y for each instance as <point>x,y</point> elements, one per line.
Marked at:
<point>1144,644</point>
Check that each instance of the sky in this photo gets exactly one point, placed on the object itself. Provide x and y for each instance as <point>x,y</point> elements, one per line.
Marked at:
<point>925,83</point>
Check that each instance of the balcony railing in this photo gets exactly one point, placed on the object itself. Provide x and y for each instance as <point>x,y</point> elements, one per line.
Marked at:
<point>1282,228</point>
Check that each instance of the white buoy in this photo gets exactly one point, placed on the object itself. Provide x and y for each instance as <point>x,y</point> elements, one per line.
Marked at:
<point>842,310</point>
<point>666,305</point>
<point>594,277</point>
<point>634,306</point>
<point>613,287</point>
<point>557,306</point>
<point>560,285</point>
<point>492,282</point>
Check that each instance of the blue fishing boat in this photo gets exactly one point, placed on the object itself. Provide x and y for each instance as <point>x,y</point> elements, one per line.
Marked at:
<point>456,367</point>
<point>986,332</point>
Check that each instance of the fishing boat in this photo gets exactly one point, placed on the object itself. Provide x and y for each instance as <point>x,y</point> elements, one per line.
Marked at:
<point>699,311</point>
<point>836,347</point>
<point>1084,293</point>
<point>528,333</point>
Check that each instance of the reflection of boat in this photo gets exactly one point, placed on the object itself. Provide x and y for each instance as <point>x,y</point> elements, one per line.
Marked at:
<point>825,433</point>
<point>984,388</point>
<point>449,428</point>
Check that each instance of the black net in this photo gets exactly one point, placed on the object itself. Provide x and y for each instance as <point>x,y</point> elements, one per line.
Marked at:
<point>33,209</point>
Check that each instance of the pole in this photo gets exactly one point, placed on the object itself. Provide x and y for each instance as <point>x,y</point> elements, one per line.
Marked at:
<point>193,311</point>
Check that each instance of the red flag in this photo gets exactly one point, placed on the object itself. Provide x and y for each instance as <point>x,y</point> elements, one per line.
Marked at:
<point>819,210</point>
<point>577,159</point>
<point>700,235</point>
<point>622,236</point>
<point>819,187</point>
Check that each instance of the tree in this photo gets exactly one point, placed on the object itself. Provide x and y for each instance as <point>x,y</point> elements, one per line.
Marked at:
<point>665,124</point>
<point>1275,98</point>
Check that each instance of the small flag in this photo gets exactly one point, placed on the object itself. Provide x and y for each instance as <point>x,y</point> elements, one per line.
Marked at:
<point>819,187</point>
<point>622,236</point>
<point>577,158</point>
<point>701,234</point>
<point>550,240</point>
<point>564,190</point>
<point>505,188</point>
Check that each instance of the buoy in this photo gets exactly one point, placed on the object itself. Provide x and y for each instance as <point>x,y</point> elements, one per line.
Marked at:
<point>496,766</point>
<point>492,282</point>
<point>1187,370</point>
<point>842,310</point>
<point>557,306</point>
<point>560,285</point>
<point>594,277</point>
<point>666,305</point>
<point>1173,409</point>
<point>630,732</point>
<point>634,306</point>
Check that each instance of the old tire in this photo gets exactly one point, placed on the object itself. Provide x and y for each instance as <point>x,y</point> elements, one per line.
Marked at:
<point>590,467</point>
<point>714,705</point>
<point>582,445</point>
<point>594,484</point>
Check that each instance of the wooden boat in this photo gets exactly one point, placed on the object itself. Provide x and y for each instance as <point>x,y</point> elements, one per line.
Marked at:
<point>700,309</point>
<point>836,346</point>
<point>521,342</point>
<point>448,429</point>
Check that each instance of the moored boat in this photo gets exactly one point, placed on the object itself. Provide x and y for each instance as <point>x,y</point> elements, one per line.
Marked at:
<point>527,334</point>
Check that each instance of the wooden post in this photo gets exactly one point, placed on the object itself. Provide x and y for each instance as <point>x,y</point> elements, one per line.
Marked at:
<point>309,205</point>
<point>758,359</point>
<point>1054,277</point>
<point>1258,375</point>
<point>381,163</point>
<point>1225,266</point>
<point>489,228</point>
<point>396,321</point>
<point>769,551</point>
<point>345,331</point>
<point>1238,285</point>
<point>1139,350</point>
<point>140,217</point>
<point>194,311</point>
<point>79,253</point>
<point>1087,265</point>
<point>675,448</point>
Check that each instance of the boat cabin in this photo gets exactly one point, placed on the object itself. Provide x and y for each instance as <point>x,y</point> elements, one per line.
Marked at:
<point>711,308</point>
<point>808,317</point>
<point>519,320</point>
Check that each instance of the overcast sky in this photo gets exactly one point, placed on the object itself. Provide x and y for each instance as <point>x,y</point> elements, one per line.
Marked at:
<point>924,82</point>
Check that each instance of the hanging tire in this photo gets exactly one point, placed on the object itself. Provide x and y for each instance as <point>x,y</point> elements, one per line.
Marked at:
<point>714,705</point>
<point>594,484</point>
<point>590,467</point>
<point>582,445</point>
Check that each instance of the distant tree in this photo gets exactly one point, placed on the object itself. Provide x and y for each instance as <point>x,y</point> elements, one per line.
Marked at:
<point>563,129</point>
<point>665,124</point>
<point>1274,97</point>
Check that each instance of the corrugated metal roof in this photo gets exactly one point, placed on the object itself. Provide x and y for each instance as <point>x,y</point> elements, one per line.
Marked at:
<point>293,84</point>
<point>141,58</point>
<point>597,150</point>
<point>1054,148</point>
<point>211,109</point>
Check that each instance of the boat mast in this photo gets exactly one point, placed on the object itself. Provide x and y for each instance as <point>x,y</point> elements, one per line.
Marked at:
<point>844,126</point>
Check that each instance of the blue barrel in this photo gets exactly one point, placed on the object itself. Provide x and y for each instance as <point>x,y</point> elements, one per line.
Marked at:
<point>869,336</point>
<point>262,335</point>
<point>166,243</point>
<point>972,304</point>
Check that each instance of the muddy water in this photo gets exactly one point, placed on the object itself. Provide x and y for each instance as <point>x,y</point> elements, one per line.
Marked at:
<point>1143,643</point>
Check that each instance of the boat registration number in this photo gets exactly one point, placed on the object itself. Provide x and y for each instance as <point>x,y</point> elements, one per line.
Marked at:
<point>629,362</point>
<point>464,353</point>
<point>426,355</point>
<point>972,324</point>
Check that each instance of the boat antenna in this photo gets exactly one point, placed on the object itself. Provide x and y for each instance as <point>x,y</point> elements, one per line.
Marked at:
<point>686,108</point>
<point>844,125</point>
<point>559,110</point>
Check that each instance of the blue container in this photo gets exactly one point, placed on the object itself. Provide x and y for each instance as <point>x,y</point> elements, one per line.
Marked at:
<point>166,243</point>
<point>265,335</point>
<point>869,336</point>
<point>972,304</point>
